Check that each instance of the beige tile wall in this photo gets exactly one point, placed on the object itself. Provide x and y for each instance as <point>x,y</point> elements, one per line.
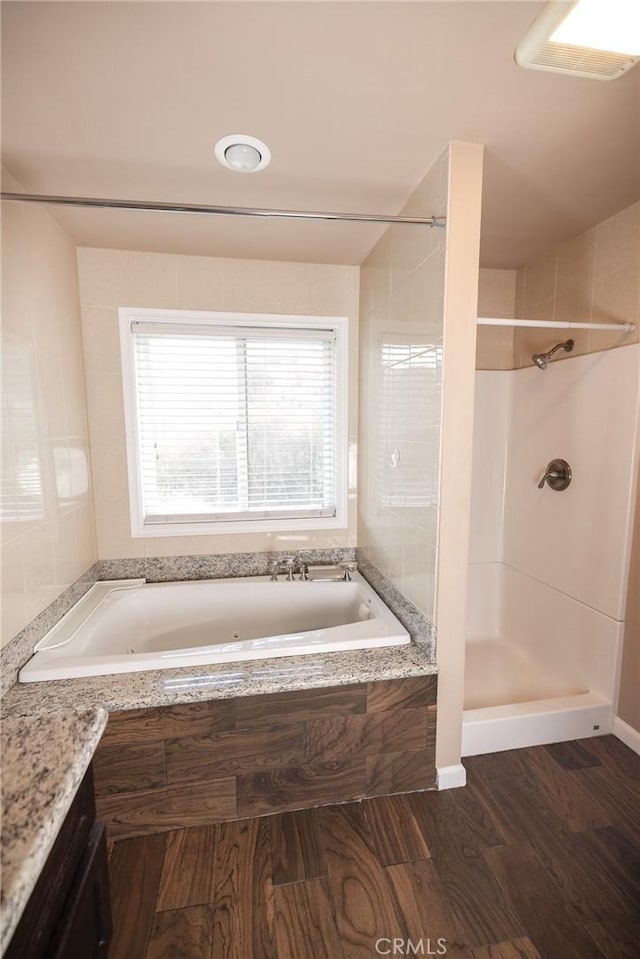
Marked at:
<point>496,297</point>
<point>113,278</point>
<point>47,527</point>
<point>401,314</point>
<point>594,277</point>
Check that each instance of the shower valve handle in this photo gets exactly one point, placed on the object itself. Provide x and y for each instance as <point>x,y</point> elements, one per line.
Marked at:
<point>557,474</point>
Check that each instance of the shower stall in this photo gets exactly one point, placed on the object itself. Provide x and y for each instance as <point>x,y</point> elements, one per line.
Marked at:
<point>549,555</point>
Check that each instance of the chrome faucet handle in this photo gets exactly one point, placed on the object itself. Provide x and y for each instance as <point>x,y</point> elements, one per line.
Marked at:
<point>288,566</point>
<point>557,474</point>
<point>550,474</point>
<point>348,568</point>
<point>302,564</point>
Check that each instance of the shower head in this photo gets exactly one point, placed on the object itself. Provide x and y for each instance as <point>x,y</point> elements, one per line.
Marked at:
<point>541,360</point>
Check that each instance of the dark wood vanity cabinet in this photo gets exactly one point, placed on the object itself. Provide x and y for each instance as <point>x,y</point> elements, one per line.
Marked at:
<point>69,913</point>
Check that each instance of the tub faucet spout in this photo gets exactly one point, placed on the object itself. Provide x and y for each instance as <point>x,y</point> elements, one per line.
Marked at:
<point>348,569</point>
<point>286,566</point>
<point>304,559</point>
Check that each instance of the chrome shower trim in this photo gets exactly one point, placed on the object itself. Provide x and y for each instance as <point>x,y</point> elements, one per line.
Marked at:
<point>542,360</point>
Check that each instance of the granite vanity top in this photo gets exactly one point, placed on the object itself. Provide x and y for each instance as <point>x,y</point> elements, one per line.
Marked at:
<point>169,687</point>
<point>44,759</point>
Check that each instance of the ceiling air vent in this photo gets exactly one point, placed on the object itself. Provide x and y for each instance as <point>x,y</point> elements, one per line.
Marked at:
<point>537,51</point>
<point>579,61</point>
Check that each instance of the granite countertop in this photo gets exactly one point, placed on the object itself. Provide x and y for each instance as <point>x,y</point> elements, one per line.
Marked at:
<point>44,759</point>
<point>169,687</point>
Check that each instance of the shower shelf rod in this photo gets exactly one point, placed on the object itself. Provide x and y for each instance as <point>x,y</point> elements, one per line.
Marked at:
<point>556,324</point>
<point>151,206</point>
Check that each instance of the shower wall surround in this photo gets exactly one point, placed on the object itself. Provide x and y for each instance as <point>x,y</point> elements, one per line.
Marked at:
<point>113,278</point>
<point>594,277</point>
<point>48,538</point>
<point>548,570</point>
<point>585,411</point>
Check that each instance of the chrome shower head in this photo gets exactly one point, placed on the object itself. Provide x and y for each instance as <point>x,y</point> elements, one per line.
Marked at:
<point>542,360</point>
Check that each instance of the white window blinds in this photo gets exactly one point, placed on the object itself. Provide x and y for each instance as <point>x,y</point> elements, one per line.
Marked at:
<point>235,423</point>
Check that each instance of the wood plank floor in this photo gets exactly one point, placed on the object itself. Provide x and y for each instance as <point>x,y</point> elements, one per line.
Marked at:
<point>537,858</point>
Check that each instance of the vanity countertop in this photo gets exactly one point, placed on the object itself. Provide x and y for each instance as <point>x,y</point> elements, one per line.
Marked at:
<point>44,759</point>
<point>170,687</point>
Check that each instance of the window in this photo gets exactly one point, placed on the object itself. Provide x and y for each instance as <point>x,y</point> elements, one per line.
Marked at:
<point>235,422</point>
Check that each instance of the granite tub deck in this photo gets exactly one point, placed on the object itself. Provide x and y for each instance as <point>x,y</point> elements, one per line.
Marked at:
<point>171,687</point>
<point>44,759</point>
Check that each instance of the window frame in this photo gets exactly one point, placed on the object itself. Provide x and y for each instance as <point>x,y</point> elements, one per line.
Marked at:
<point>176,317</point>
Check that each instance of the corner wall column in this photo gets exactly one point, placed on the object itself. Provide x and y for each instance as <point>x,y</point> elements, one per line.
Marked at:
<point>460,312</point>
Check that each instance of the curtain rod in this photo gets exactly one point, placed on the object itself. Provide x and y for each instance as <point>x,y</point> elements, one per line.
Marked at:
<point>556,324</point>
<point>155,207</point>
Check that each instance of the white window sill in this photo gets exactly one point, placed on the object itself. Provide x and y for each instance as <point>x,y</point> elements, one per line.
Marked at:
<point>257,526</point>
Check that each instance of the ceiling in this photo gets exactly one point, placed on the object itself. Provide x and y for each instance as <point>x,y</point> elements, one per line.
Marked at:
<point>355,100</point>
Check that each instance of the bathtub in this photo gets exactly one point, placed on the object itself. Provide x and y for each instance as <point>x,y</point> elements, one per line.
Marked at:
<point>129,625</point>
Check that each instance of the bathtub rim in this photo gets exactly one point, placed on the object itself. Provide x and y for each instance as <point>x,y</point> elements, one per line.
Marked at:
<point>41,667</point>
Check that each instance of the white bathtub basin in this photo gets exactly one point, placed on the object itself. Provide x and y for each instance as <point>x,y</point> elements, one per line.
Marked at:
<point>129,625</point>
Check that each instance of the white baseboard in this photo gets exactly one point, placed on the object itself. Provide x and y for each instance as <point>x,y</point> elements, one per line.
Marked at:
<point>450,777</point>
<point>627,734</point>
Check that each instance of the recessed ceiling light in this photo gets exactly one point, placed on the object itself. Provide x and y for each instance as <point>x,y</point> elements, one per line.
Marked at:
<point>242,153</point>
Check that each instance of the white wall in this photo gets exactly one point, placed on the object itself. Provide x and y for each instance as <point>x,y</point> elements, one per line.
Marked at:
<point>47,526</point>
